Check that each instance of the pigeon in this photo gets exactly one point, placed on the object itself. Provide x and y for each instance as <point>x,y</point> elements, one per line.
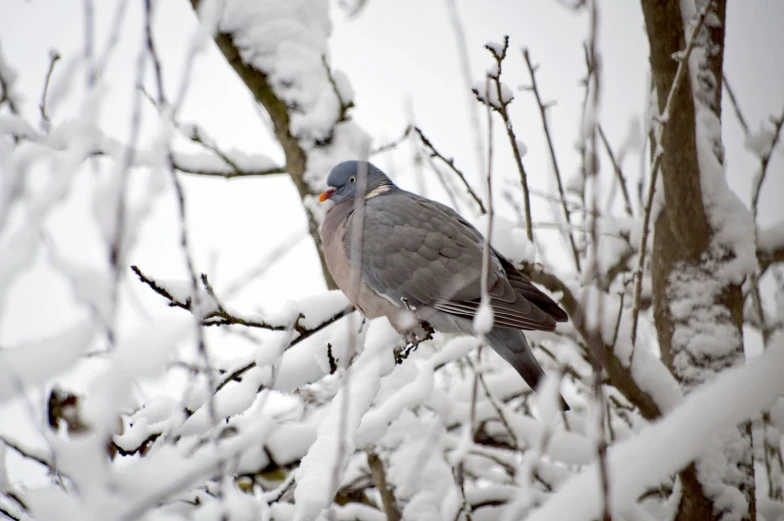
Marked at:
<point>415,261</point>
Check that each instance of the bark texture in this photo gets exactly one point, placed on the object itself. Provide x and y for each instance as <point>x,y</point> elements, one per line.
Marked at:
<point>684,253</point>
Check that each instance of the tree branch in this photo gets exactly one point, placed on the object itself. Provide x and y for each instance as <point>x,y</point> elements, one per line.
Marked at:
<point>502,111</point>
<point>296,158</point>
<point>451,164</point>
<point>663,119</point>
<point>379,476</point>
<point>543,113</point>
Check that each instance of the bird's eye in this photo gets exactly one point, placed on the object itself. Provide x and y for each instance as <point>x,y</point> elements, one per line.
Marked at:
<point>352,179</point>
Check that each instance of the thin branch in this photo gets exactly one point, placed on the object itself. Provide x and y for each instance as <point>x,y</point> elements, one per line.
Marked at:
<point>502,111</point>
<point>8,514</point>
<point>755,194</point>
<point>6,83</point>
<point>735,105</point>
<point>220,316</point>
<point>451,164</point>
<point>54,57</point>
<point>618,171</point>
<point>379,476</point>
<point>617,371</point>
<point>543,113</point>
<point>156,63</point>
<point>185,169</point>
<point>345,106</point>
<point>603,418</point>
<point>28,453</point>
<point>683,65</point>
<point>393,144</point>
<point>495,405</point>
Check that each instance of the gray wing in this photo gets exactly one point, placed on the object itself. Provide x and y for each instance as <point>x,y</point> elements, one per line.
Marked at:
<point>422,251</point>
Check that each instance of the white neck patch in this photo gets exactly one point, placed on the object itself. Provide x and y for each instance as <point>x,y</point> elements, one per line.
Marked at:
<point>378,191</point>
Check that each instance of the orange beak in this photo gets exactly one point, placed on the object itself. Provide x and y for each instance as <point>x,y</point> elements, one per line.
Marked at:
<point>326,194</point>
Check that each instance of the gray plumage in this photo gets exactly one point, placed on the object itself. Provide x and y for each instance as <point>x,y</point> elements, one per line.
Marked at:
<point>388,249</point>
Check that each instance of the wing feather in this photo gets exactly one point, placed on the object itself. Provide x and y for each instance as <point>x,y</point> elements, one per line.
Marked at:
<point>423,251</point>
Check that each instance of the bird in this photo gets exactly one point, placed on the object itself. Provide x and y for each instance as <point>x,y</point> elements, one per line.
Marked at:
<point>396,254</point>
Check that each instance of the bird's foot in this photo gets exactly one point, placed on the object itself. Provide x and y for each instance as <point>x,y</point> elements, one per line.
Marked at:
<point>413,341</point>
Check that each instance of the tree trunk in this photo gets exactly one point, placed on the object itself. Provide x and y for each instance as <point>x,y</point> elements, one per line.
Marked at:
<point>296,158</point>
<point>698,312</point>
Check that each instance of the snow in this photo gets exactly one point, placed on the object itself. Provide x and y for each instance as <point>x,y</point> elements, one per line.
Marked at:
<point>286,41</point>
<point>483,320</point>
<point>415,393</point>
<point>496,48</point>
<point>34,363</point>
<point>508,239</point>
<point>211,163</point>
<point>736,395</point>
<point>318,474</point>
<point>731,222</point>
<point>771,239</point>
<point>487,92</point>
<point>760,143</point>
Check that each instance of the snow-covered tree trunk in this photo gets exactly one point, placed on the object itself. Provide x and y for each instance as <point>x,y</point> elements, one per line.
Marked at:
<point>702,249</point>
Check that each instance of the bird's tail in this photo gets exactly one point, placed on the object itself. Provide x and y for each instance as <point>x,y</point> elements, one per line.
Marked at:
<point>513,347</point>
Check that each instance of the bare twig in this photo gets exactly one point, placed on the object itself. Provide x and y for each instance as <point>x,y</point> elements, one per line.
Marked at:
<point>735,105</point>
<point>28,453</point>
<point>379,476</point>
<point>683,66</point>
<point>772,452</point>
<point>543,113</point>
<point>54,57</point>
<point>501,416</point>
<point>345,106</point>
<point>618,372</point>
<point>6,84</point>
<point>502,111</point>
<point>393,144</point>
<point>618,171</point>
<point>594,76</point>
<point>150,42</point>
<point>220,316</point>
<point>451,164</point>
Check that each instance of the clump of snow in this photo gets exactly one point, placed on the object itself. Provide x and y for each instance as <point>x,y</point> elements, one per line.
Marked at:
<point>731,222</point>
<point>496,48</point>
<point>422,479</point>
<point>483,320</point>
<point>35,362</point>
<point>760,143</point>
<point>318,476</point>
<point>511,241</point>
<point>522,147</point>
<point>735,396</point>
<point>287,41</point>
<point>487,92</point>
<point>160,415</point>
<point>771,238</point>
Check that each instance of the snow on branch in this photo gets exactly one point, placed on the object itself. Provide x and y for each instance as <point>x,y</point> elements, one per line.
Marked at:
<point>503,93</point>
<point>216,313</point>
<point>735,396</point>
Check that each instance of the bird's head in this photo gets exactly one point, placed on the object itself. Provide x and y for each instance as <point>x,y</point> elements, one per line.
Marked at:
<point>350,179</point>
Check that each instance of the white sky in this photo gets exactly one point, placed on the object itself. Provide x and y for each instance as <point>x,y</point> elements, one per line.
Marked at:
<point>394,52</point>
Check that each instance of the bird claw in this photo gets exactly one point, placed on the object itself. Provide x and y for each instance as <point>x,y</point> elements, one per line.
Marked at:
<point>413,342</point>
